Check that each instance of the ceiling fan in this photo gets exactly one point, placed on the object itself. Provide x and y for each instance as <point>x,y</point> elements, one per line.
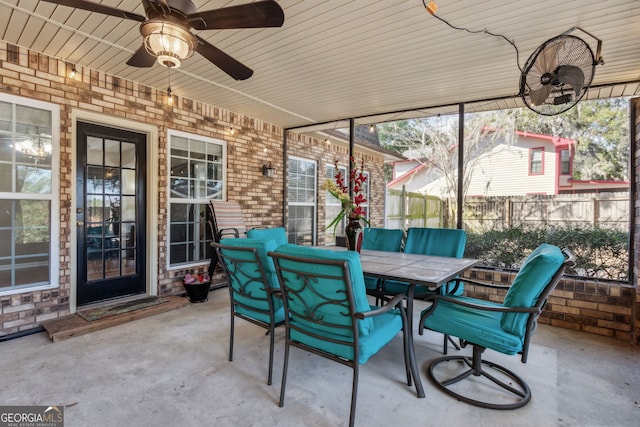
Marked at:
<point>167,30</point>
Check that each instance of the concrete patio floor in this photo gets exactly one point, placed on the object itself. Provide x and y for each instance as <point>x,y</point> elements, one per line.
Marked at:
<point>172,370</point>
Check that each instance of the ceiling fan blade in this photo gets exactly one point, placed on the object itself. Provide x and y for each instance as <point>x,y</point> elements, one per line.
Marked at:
<point>540,95</point>
<point>98,8</point>
<point>572,76</point>
<point>185,6</point>
<point>260,14</point>
<point>223,61</point>
<point>142,58</point>
<point>547,60</point>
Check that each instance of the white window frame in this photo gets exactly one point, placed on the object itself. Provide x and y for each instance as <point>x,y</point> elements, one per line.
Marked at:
<point>53,197</point>
<point>201,200</point>
<point>313,204</point>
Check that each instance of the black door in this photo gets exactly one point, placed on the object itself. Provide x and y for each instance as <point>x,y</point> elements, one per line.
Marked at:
<point>110,180</point>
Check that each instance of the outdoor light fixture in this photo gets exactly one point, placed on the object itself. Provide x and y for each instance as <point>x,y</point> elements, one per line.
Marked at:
<point>72,71</point>
<point>268,170</point>
<point>169,42</point>
<point>169,96</point>
<point>371,128</point>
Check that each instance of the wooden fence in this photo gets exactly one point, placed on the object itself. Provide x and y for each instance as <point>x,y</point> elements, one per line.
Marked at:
<point>405,209</point>
<point>607,210</point>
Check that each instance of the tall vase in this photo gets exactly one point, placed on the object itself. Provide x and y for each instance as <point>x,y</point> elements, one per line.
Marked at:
<point>353,232</point>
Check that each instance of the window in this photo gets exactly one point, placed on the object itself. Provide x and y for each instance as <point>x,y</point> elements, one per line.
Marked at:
<point>565,162</point>
<point>197,169</point>
<point>536,161</point>
<point>29,135</point>
<point>301,201</point>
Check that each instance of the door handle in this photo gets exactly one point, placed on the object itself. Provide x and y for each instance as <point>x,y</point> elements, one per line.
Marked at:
<point>80,223</point>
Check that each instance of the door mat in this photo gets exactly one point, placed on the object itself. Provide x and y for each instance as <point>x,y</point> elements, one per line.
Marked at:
<point>98,313</point>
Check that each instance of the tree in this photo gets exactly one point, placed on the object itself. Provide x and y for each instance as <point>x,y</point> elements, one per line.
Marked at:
<point>601,129</point>
<point>434,141</point>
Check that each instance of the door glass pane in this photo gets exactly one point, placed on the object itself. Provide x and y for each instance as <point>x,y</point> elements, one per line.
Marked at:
<point>128,181</point>
<point>128,155</point>
<point>94,151</point>
<point>111,153</point>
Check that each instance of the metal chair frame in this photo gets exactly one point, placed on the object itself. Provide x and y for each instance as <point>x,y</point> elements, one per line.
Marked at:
<point>475,363</point>
<point>239,284</point>
<point>309,283</point>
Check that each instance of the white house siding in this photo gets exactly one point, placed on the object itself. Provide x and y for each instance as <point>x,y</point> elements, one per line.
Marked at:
<point>503,171</point>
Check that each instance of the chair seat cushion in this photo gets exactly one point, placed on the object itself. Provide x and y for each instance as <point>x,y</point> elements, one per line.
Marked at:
<point>393,287</point>
<point>371,282</point>
<point>278,315</point>
<point>476,326</point>
<point>385,327</point>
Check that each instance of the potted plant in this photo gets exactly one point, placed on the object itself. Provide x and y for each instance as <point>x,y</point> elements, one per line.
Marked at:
<point>197,287</point>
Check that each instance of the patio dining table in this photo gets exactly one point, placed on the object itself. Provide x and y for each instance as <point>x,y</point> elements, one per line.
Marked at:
<point>414,269</point>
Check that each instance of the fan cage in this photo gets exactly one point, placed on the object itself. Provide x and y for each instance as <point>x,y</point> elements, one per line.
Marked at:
<point>572,50</point>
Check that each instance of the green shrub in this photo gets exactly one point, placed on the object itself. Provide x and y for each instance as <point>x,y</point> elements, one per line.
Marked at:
<point>599,252</point>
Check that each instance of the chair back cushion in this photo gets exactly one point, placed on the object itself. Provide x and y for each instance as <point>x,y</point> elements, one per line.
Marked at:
<point>277,234</point>
<point>439,242</point>
<point>534,275</point>
<point>245,282</point>
<point>382,239</point>
<point>436,241</point>
<point>331,288</point>
<point>228,215</point>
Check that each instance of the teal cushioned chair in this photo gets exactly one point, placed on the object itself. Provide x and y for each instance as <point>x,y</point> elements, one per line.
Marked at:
<point>506,327</point>
<point>431,241</point>
<point>380,239</point>
<point>327,312</point>
<point>277,234</point>
<point>252,283</point>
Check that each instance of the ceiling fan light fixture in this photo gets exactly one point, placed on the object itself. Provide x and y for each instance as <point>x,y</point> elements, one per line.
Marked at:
<point>168,42</point>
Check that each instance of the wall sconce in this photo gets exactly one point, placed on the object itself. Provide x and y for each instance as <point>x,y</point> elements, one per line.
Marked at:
<point>72,70</point>
<point>268,170</point>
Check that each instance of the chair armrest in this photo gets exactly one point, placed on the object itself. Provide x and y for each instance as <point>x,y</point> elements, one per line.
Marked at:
<point>383,309</point>
<point>503,309</point>
<point>483,284</point>
<point>230,230</point>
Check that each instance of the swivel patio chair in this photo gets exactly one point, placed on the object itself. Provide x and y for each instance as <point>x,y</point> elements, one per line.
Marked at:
<point>506,328</point>
<point>252,282</point>
<point>431,241</point>
<point>328,314</point>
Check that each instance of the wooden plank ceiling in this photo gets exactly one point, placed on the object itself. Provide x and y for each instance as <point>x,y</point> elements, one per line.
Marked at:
<point>338,59</point>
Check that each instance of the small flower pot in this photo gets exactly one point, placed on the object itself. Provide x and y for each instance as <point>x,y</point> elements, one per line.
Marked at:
<point>197,291</point>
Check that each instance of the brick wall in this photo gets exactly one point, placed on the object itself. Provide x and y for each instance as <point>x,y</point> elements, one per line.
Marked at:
<point>250,144</point>
<point>324,153</point>
<point>36,76</point>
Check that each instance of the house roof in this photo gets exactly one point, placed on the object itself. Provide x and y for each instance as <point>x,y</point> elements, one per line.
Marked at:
<point>375,60</point>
